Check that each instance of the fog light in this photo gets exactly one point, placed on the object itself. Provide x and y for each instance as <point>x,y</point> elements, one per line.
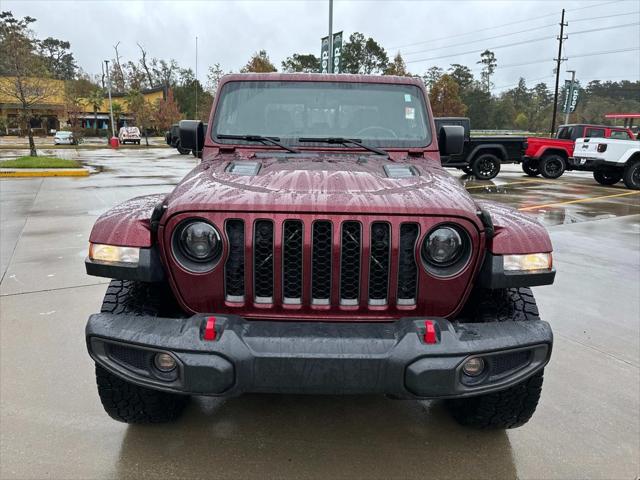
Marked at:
<point>164,362</point>
<point>473,367</point>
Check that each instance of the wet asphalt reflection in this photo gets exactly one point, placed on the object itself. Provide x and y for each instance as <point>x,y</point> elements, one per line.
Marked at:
<point>52,424</point>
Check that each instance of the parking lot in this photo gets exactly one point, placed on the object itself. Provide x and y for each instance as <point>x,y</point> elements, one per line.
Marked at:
<point>52,423</point>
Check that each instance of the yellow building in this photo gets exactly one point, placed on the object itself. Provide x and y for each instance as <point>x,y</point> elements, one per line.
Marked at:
<point>51,107</point>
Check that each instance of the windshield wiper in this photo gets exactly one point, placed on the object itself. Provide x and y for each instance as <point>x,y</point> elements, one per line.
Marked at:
<point>345,141</point>
<point>259,138</point>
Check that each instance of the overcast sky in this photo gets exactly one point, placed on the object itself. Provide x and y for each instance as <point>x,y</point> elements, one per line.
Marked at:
<point>427,33</point>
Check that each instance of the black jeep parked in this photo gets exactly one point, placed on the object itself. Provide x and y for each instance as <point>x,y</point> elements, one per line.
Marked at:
<point>172,137</point>
<point>482,156</point>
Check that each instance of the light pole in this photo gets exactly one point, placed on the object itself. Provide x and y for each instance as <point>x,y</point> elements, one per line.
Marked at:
<point>569,95</point>
<point>113,127</point>
<point>330,65</point>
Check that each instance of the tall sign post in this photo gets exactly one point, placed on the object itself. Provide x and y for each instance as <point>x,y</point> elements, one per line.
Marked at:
<point>330,37</point>
<point>559,60</point>
<point>112,142</point>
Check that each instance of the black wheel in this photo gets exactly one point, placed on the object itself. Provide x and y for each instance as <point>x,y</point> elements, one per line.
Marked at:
<point>124,401</point>
<point>466,169</point>
<point>631,175</point>
<point>485,166</point>
<point>607,177</point>
<point>530,167</point>
<point>552,166</point>
<point>514,406</point>
<point>183,151</point>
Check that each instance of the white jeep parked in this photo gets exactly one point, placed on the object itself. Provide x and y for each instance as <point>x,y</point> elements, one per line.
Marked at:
<point>610,160</point>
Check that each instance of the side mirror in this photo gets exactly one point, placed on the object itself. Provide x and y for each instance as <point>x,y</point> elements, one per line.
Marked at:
<point>191,134</point>
<point>451,139</point>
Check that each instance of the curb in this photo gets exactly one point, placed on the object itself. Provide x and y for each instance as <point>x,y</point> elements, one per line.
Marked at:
<point>52,172</point>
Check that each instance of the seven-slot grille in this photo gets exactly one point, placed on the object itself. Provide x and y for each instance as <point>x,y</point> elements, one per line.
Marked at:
<point>358,251</point>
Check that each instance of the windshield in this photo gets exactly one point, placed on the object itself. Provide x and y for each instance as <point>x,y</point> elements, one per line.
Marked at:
<point>383,115</point>
<point>63,134</point>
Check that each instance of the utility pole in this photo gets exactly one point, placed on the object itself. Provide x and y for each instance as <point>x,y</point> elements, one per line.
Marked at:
<point>195,84</point>
<point>330,65</point>
<point>569,95</point>
<point>113,127</point>
<point>559,60</point>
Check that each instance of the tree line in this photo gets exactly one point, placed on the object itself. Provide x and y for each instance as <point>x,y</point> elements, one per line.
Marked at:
<point>455,91</point>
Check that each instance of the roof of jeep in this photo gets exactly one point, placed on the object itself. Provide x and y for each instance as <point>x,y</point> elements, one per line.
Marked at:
<point>321,77</point>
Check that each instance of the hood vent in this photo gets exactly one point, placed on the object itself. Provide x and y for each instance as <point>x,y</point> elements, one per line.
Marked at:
<point>243,168</point>
<point>400,171</point>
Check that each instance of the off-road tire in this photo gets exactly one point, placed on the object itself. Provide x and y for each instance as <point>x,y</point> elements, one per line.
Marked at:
<point>127,297</point>
<point>631,175</point>
<point>529,169</point>
<point>514,406</point>
<point>129,403</point>
<point>467,169</point>
<point>607,177</point>
<point>182,151</point>
<point>552,166</point>
<point>124,401</point>
<point>485,166</point>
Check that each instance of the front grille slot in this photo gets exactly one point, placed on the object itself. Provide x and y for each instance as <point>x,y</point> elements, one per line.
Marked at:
<point>350,263</point>
<point>263,261</point>
<point>346,262</point>
<point>234,268</point>
<point>292,262</point>
<point>322,240</point>
<point>407,267</point>
<point>379,263</point>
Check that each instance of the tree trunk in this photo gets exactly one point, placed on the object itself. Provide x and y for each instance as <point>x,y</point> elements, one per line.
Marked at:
<point>95,122</point>
<point>146,137</point>
<point>32,144</point>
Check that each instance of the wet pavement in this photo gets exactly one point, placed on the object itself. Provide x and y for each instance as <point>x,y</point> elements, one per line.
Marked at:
<point>52,424</point>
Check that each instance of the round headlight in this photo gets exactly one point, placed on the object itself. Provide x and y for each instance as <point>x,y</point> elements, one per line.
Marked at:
<point>200,242</point>
<point>442,247</point>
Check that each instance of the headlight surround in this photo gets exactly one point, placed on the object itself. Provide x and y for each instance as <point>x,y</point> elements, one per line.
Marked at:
<point>197,245</point>
<point>102,253</point>
<point>530,262</point>
<point>446,250</point>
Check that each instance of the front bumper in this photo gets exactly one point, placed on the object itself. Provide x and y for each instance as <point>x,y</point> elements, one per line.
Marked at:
<point>318,357</point>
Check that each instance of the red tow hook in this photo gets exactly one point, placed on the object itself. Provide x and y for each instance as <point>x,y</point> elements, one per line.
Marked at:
<point>430,335</point>
<point>210,329</point>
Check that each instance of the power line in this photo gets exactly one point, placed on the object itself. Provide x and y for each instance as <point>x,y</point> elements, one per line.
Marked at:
<point>604,16</point>
<point>603,28</point>
<point>526,20</point>
<point>482,49</point>
<point>482,39</point>
<point>592,54</point>
<point>472,32</point>
<point>515,44</point>
<point>635,49</point>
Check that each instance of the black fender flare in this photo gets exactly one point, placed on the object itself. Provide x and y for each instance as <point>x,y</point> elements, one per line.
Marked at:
<point>490,146</point>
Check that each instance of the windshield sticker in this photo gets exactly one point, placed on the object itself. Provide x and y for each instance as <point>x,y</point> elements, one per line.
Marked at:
<point>409,113</point>
<point>407,97</point>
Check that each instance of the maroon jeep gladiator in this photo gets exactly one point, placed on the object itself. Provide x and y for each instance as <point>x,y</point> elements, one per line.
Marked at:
<point>320,248</point>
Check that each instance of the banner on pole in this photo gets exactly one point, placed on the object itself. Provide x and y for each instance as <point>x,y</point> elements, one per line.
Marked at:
<point>336,51</point>
<point>571,97</point>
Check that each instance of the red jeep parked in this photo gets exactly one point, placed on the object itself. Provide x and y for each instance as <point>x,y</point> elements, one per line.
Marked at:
<point>549,156</point>
<point>320,248</point>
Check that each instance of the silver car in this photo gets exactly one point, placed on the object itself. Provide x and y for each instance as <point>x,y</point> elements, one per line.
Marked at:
<point>64,138</point>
